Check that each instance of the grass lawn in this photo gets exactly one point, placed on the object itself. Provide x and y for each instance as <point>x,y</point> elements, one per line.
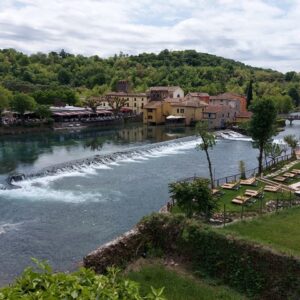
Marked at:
<point>250,207</point>
<point>178,286</point>
<point>228,195</point>
<point>279,231</point>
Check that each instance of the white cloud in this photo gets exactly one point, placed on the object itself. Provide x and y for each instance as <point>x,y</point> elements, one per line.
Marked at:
<point>258,32</point>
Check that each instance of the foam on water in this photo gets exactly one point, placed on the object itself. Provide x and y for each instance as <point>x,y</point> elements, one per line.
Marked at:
<point>29,191</point>
<point>233,136</point>
<point>6,227</point>
<point>42,187</point>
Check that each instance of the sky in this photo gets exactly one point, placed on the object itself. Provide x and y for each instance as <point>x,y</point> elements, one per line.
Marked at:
<point>262,33</point>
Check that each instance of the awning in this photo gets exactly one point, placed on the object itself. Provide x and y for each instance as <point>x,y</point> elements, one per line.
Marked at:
<point>175,117</point>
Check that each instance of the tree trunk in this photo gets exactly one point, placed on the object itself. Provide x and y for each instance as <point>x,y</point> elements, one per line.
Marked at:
<point>260,158</point>
<point>210,170</point>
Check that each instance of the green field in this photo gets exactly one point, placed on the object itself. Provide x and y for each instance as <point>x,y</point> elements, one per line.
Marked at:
<point>254,206</point>
<point>228,195</point>
<point>278,230</point>
<point>180,287</point>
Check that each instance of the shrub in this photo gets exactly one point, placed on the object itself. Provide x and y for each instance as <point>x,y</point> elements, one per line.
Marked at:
<point>83,284</point>
<point>194,197</point>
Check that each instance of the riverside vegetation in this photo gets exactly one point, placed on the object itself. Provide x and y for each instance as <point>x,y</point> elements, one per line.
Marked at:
<point>67,78</point>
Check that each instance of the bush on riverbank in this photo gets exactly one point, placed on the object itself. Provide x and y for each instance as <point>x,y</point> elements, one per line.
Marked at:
<point>243,265</point>
<point>83,284</point>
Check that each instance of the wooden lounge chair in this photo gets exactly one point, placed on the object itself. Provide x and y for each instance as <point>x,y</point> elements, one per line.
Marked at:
<point>231,186</point>
<point>240,200</point>
<point>280,178</point>
<point>289,175</point>
<point>296,171</point>
<point>254,193</point>
<point>215,192</point>
<point>271,188</point>
<point>249,181</point>
<point>251,193</point>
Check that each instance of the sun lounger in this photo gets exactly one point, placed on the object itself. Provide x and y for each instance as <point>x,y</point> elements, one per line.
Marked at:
<point>289,175</point>
<point>251,193</point>
<point>280,178</point>
<point>240,200</point>
<point>296,171</point>
<point>231,186</point>
<point>215,192</point>
<point>249,181</point>
<point>271,188</point>
<point>254,193</point>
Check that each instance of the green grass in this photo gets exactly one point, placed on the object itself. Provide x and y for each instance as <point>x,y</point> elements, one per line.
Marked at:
<point>279,231</point>
<point>180,287</point>
<point>228,195</point>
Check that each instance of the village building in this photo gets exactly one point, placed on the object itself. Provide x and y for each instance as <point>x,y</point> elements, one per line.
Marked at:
<point>135,102</point>
<point>219,116</point>
<point>199,96</point>
<point>243,117</point>
<point>183,111</point>
<point>159,93</point>
<point>235,101</point>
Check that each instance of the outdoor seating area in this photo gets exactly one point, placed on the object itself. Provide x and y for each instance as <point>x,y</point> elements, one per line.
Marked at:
<point>248,195</point>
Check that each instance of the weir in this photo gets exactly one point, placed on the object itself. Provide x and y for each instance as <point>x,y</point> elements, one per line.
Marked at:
<point>98,160</point>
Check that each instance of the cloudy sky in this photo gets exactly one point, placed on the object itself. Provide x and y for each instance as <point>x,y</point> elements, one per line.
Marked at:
<point>263,33</point>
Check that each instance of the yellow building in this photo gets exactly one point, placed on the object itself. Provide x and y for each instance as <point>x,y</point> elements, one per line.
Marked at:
<point>135,101</point>
<point>174,110</point>
<point>153,113</point>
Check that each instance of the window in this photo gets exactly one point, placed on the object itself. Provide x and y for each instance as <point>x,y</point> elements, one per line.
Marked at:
<point>127,104</point>
<point>134,99</point>
<point>178,110</point>
<point>181,110</point>
<point>222,115</point>
<point>150,110</point>
<point>142,106</point>
<point>228,115</point>
<point>142,99</point>
<point>134,104</point>
<point>149,117</point>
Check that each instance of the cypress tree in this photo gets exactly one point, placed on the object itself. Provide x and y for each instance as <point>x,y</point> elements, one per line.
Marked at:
<point>249,93</point>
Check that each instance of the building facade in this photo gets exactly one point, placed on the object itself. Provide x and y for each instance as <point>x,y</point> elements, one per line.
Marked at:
<point>159,93</point>
<point>134,101</point>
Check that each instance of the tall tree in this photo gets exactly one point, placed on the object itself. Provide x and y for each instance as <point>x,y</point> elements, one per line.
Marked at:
<point>249,93</point>
<point>208,141</point>
<point>262,125</point>
<point>92,102</point>
<point>22,103</point>
<point>115,102</point>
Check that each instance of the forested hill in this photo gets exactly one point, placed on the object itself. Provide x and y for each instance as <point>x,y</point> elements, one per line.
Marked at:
<point>189,69</point>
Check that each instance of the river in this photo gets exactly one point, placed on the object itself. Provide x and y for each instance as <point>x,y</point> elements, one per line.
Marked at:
<point>62,216</point>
